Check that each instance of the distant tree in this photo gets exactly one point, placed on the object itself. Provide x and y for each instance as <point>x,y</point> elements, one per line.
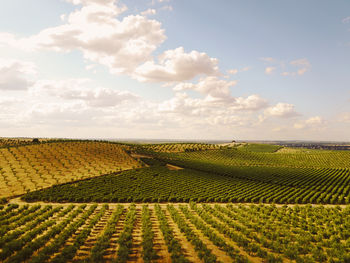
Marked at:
<point>36,140</point>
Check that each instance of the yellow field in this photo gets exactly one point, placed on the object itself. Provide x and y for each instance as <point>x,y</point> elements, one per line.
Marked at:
<point>33,167</point>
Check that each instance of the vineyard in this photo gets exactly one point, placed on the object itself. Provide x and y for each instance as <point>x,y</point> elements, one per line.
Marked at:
<point>38,166</point>
<point>174,232</point>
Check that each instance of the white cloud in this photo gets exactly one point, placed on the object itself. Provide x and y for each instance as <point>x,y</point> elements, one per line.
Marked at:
<point>269,60</point>
<point>126,45</point>
<point>121,45</point>
<point>159,1</point>
<point>344,117</point>
<point>210,86</point>
<point>217,94</point>
<point>282,110</point>
<point>177,65</point>
<point>193,110</point>
<point>235,71</point>
<point>232,71</point>
<point>167,8</point>
<point>16,75</point>
<point>303,65</point>
<point>149,12</point>
<point>292,68</point>
<point>269,70</point>
<point>76,89</point>
<point>89,2</point>
<point>253,103</point>
<point>313,122</point>
<point>316,120</point>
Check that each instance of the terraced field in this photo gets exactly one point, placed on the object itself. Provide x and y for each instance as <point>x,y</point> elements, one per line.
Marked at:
<point>174,232</point>
<point>37,166</point>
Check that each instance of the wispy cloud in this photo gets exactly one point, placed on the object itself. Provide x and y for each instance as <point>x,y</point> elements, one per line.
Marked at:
<point>346,20</point>
<point>292,68</point>
<point>149,12</point>
<point>235,71</point>
<point>269,70</point>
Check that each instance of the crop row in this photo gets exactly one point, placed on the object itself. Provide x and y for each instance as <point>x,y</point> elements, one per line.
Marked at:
<point>241,157</point>
<point>159,184</point>
<point>217,233</point>
<point>33,167</point>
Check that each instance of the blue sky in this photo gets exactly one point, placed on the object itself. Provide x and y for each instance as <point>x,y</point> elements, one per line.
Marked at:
<point>175,69</point>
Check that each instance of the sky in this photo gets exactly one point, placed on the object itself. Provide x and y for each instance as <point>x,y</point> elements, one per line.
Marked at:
<point>175,69</point>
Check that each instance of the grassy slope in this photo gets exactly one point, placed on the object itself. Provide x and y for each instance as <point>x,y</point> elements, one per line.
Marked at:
<point>32,167</point>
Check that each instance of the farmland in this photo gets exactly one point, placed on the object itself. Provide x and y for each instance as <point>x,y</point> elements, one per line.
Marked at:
<point>37,166</point>
<point>179,232</point>
<point>159,184</point>
<point>91,201</point>
<point>242,174</point>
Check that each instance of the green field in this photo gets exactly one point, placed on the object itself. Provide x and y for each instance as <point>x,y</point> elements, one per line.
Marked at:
<point>242,174</point>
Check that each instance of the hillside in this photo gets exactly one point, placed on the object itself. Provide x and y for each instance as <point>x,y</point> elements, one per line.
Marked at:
<point>37,166</point>
<point>226,175</point>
